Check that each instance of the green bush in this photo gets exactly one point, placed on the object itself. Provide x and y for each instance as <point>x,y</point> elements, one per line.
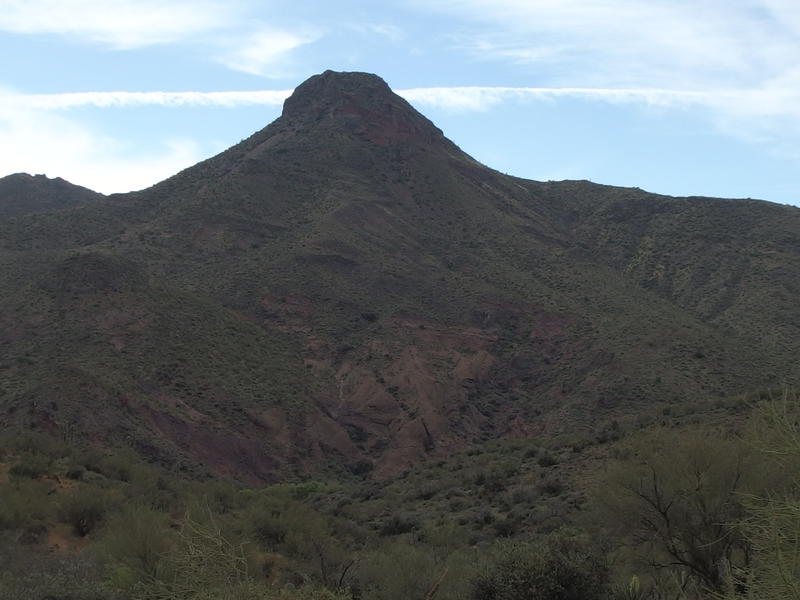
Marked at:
<point>199,562</point>
<point>118,466</point>
<point>84,509</point>
<point>547,460</point>
<point>675,502</point>
<point>772,523</point>
<point>25,504</point>
<point>31,465</point>
<point>135,543</point>
<point>398,524</point>
<point>398,570</point>
<point>27,573</point>
<point>562,568</point>
<point>267,522</point>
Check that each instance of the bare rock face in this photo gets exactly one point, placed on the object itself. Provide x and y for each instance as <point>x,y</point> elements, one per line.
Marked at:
<point>362,104</point>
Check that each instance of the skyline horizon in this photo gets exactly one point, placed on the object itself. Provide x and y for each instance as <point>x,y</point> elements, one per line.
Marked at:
<point>664,95</point>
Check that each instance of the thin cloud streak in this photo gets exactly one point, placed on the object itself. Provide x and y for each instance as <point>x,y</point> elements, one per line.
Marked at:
<point>482,98</point>
<point>31,122</point>
<point>768,116</point>
<point>772,102</point>
<point>127,99</point>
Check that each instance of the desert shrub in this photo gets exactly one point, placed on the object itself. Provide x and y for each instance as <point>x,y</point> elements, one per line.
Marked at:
<point>320,546</point>
<point>31,465</point>
<point>506,527</point>
<point>523,496</point>
<point>199,562</point>
<point>90,459</point>
<point>563,567</point>
<point>266,520</point>
<point>15,442</point>
<point>675,501</point>
<point>221,497</point>
<point>495,481</point>
<point>117,466</point>
<point>27,573</point>
<point>426,491</point>
<point>398,524</point>
<point>75,472</point>
<point>398,570</point>
<point>361,468</point>
<point>156,491</point>
<point>483,517</point>
<point>84,509</point>
<point>547,460</point>
<point>456,505</point>
<point>134,545</point>
<point>772,524</point>
<point>25,504</point>
<point>552,486</point>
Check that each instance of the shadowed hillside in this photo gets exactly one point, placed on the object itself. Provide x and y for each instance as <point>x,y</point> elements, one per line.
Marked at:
<point>348,289</point>
<point>22,194</point>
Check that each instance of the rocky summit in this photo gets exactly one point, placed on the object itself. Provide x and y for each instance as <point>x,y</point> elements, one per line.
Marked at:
<point>347,289</point>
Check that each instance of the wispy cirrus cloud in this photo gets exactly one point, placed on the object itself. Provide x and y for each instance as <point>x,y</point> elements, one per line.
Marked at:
<point>222,31</point>
<point>779,100</point>
<point>735,61</point>
<point>121,24</point>
<point>683,44</point>
<point>391,32</point>
<point>50,102</point>
<point>767,115</point>
<point>41,136</point>
<point>478,98</point>
<point>258,52</point>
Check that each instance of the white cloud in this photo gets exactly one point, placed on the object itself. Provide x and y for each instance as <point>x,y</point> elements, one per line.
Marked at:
<point>390,32</point>
<point>476,98</point>
<point>772,101</point>
<point>467,98</point>
<point>36,141</point>
<point>125,99</point>
<point>735,61</point>
<point>768,115</point>
<point>780,99</point>
<point>37,138</point>
<point>259,52</point>
<point>683,44</point>
<point>222,30</point>
<point>122,24</point>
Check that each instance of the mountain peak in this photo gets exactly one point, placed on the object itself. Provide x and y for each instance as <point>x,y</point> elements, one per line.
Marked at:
<point>323,92</point>
<point>361,103</point>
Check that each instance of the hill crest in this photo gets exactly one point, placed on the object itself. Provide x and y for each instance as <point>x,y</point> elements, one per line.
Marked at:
<point>346,287</point>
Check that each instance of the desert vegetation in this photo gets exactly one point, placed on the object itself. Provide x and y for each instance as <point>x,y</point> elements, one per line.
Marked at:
<point>705,509</point>
<point>344,360</point>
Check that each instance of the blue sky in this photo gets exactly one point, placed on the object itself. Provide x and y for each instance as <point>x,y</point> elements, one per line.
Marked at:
<point>682,97</point>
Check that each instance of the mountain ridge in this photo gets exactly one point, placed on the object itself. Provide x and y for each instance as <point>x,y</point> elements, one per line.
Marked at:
<point>21,194</point>
<point>348,289</point>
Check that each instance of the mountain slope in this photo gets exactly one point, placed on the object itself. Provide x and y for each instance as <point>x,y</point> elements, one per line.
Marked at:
<point>22,194</point>
<point>348,287</point>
